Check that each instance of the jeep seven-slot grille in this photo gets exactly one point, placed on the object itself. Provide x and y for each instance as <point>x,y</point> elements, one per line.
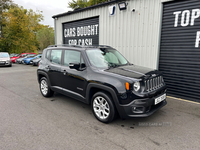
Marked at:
<point>153,84</point>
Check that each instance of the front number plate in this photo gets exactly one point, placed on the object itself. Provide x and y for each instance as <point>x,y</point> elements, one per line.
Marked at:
<point>160,99</point>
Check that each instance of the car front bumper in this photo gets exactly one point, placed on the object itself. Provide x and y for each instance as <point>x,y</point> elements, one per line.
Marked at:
<point>26,62</point>
<point>13,60</point>
<point>4,63</point>
<point>142,107</point>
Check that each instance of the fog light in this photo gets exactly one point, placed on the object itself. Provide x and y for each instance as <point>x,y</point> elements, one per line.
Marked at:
<point>137,109</point>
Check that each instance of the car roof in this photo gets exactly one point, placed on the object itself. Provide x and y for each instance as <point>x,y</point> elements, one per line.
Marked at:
<point>4,52</point>
<point>78,47</point>
<point>26,53</point>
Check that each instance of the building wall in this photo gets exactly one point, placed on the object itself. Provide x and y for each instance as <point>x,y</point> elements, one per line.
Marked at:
<point>135,34</point>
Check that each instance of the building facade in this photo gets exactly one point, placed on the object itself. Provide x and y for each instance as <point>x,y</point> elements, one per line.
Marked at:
<point>159,34</point>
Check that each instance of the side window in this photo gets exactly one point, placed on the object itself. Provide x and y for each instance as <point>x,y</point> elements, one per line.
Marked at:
<point>48,54</point>
<point>56,56</point>
<point>71,57</point>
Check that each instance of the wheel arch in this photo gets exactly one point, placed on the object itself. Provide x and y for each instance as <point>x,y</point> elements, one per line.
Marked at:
<point>43,74</point>
<point>92,88</point>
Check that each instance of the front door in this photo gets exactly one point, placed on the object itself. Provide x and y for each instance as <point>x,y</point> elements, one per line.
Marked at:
<point>74,81</point>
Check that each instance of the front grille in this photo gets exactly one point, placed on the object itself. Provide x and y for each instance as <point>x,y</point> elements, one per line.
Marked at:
<point>153,84</point>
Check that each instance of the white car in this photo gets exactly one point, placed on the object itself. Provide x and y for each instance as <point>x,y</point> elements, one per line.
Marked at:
<point>5,59</point>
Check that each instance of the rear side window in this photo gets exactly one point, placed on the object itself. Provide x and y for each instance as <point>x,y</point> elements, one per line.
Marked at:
<point>56,56</point>
<point>71,57</point>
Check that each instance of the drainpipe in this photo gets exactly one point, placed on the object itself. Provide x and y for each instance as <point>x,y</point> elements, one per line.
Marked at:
<point>55,30</point>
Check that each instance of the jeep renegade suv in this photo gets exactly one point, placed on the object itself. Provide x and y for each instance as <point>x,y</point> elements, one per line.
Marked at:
<point>102,77</point>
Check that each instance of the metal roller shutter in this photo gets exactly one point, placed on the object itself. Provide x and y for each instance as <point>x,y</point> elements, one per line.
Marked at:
<point>180,48</point>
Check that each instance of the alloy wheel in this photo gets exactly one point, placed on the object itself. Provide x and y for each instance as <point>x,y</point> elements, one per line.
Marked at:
<point>101,107</point>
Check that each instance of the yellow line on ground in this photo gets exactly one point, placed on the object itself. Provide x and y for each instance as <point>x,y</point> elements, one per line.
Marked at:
<point>180,99</point>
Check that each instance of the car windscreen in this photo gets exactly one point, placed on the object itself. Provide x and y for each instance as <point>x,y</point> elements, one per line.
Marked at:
<point>4,55</point>
<point>106,58</point>
<point>30,55</point>
<point>38,56</point>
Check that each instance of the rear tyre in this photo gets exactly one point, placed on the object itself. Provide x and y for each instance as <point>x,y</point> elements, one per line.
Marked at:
<point>102,107</point>
<point>44,88</point>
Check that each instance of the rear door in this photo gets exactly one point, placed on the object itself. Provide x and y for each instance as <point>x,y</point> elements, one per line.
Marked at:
<point>53,68</point>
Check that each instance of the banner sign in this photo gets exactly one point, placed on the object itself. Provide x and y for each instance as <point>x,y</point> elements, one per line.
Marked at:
<point>81,32</point>
<point>188,18</point>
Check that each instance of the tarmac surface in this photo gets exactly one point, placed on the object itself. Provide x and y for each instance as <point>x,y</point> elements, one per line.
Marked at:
<point>28,121</point>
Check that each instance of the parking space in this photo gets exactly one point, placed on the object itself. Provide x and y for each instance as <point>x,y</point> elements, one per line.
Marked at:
<point>30,121</point>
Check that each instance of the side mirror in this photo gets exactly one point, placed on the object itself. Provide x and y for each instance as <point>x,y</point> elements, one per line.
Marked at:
<point>75,65</point>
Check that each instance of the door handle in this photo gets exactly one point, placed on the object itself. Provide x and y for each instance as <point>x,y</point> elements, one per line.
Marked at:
<point>47,67</point>
<point>64,71</point>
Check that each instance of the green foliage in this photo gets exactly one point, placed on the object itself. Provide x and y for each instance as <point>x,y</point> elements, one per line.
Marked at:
<point>76,4</point>
<point>45,37</point>
<point>19,30</point>
<point>6,4</point>
<point>94,2</point>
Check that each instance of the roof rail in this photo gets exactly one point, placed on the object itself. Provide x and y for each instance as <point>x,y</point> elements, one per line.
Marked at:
<point>96,46</point>
<point>79,46</point>
<point>64,45</point>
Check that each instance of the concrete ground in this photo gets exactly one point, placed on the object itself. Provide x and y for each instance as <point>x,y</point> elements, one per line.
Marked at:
<point>28,121</point>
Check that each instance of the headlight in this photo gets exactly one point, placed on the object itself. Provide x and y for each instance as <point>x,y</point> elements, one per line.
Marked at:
<point>136,86</point>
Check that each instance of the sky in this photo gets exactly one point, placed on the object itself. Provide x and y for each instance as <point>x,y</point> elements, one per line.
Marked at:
<point>49,8</point>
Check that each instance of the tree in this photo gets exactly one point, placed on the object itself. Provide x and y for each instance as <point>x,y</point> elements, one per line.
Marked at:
<point>95,2</point>
<point>19,31</point>
<point>4,6</point>
<point>45,37</point>
<point>76,4</point>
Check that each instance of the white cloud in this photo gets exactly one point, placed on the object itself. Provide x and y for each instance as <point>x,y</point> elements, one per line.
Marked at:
<point>49,8</point>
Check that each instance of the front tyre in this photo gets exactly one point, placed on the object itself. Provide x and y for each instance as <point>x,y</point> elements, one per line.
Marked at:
<point>44,88</point>
<point>102,107</point>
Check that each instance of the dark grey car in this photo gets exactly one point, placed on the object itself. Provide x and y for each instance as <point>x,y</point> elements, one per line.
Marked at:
<point>35,61</point>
